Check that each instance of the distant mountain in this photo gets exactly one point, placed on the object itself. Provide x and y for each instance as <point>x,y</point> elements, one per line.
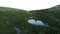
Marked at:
<point>55,8</point>
<point>10,9</point>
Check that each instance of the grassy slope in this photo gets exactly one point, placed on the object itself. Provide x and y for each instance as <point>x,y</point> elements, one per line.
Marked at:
<point>10,18</point>
<point>49,16</point>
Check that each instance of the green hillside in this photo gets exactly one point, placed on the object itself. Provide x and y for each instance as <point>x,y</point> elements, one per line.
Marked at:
<point>10,18</point>
<point>51,17</point>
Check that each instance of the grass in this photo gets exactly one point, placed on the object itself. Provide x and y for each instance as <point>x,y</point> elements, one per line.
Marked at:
<point>10,18</point>
<point>50,17</point>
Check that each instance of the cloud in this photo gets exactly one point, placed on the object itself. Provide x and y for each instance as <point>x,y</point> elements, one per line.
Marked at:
<point>29,4</point>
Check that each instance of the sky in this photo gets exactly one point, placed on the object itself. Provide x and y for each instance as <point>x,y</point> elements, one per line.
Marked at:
<point>29,4</point>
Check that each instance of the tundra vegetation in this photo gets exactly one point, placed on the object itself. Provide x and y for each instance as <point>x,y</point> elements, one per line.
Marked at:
<point>10,18</point>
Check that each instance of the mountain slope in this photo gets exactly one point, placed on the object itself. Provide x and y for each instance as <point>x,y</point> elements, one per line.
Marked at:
<point>10,18</point>
<point>51,17</point>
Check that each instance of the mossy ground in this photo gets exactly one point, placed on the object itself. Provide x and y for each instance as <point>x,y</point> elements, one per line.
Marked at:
<point>10,18</point>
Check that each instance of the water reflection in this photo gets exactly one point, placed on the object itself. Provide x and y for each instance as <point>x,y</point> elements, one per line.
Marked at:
<point>17,29</point>
<point>36,22</point>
